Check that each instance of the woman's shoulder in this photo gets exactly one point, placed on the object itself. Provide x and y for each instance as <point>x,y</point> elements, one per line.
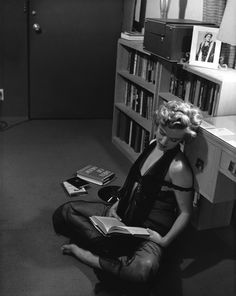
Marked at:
<point>180,171</point>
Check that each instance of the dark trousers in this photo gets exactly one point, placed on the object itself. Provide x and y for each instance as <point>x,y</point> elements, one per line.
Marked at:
<point>127,258</point>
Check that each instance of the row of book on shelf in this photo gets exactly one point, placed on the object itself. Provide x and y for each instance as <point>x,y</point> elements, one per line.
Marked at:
<point>132,133</point>
<point>196,90</point>
<point>78,183</point>
<point>141,65</point>
<point>139,100</point>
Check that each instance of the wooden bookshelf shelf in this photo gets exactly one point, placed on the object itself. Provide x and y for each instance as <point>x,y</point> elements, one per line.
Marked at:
<point>125,149</point>
<point>138,81</point>
<point>214,75</point>
<point>167,96</point>
<point>136,45</point>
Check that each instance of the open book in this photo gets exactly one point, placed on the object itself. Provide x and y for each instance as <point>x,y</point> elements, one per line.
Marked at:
<point>110,225</point>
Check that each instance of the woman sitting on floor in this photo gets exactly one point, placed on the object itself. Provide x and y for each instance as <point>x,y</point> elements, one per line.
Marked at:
<point>157,195</point>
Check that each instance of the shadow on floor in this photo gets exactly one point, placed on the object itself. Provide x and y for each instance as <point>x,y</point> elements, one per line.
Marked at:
<point>194,252</point>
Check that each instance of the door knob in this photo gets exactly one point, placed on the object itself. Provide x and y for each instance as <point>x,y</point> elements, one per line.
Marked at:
<point>37,28</point>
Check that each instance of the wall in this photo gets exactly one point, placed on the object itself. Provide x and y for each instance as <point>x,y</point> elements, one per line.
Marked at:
<point>176,9</point>
<point>1,44</point>
<point>14,59</point>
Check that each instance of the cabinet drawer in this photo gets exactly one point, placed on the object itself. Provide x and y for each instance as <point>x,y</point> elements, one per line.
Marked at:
<point>228,165</point>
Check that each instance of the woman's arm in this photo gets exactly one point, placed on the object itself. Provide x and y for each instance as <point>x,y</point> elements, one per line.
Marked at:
<point>180,175</point>
<point>113,211</point>
<point>184,200</point>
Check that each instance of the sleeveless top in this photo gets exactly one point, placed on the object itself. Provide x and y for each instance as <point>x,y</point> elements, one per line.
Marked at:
<point>147,205</point>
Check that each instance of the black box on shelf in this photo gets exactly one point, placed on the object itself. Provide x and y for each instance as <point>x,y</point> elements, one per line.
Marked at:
<point>170,38</point>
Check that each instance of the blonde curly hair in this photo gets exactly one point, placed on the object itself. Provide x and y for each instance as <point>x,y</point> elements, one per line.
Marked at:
<point>179,115</point>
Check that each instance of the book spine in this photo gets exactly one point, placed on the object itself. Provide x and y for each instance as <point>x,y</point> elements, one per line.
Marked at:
<point>84,175</point>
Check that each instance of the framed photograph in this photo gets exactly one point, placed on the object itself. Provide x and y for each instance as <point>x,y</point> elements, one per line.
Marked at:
<point>205,48</point>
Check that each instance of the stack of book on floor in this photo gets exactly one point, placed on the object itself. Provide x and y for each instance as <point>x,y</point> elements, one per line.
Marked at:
<point>75,185</point>
<point>95,174</point>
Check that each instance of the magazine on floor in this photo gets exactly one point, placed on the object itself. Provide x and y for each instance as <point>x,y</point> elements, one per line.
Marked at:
<point>75,185</point>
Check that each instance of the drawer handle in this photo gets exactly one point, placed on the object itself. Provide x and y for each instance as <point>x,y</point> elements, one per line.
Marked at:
<point>199,164</point>
<point>232,168</point>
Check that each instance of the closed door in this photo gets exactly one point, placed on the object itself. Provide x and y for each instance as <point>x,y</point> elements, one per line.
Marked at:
<point>72,54</point>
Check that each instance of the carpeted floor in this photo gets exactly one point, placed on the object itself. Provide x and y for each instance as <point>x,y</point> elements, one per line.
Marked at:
<point>35,157</point>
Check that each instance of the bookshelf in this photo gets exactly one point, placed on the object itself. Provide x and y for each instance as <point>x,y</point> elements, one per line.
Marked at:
<point>144,81</point>
<point>135,97</point>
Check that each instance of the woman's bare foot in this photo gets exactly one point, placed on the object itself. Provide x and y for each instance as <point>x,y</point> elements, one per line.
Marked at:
<point>83,255</point>
<point>69,249</point>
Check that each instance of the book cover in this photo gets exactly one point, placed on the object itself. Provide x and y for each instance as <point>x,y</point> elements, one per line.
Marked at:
<point>187,90</point>
<point>122,132</point>
<point>138,139</point>
<point>110,225</point>
<point>77,182</point>
<point>197,92</point>
<point>206,96</point>
<point>95,174</point>
<point>133,135</point>
<point>131,128</point>
<point>131,61</point>
<point>211,100</point>
<point>215,99</point>
<point>72,190</point>
<point>127,129</point>
<point>199,103</point>
<point>204,99</point>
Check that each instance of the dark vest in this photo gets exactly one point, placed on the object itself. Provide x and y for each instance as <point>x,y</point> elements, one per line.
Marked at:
<point>135,208</point>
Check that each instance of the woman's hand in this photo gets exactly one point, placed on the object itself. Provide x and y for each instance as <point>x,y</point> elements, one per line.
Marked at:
<point>156,237</point>
<point>112,211</point>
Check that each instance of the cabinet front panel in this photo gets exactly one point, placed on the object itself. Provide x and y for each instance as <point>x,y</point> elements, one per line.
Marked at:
<point>204,160</point>
<point>228,165</point>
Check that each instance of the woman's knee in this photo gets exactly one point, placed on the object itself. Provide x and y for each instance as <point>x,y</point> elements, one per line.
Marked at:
<point>58,219</point>
<point>146,261</point>
<point>146,269</point>
<point>139,269</point>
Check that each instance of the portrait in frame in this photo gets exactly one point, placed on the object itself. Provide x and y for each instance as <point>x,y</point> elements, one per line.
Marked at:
<point>205,48</point>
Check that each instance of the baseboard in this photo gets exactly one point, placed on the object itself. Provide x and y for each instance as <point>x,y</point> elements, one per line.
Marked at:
<point>8,121</point>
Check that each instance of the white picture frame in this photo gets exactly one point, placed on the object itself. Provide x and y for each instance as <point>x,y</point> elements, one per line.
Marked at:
<point>205,48</point>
